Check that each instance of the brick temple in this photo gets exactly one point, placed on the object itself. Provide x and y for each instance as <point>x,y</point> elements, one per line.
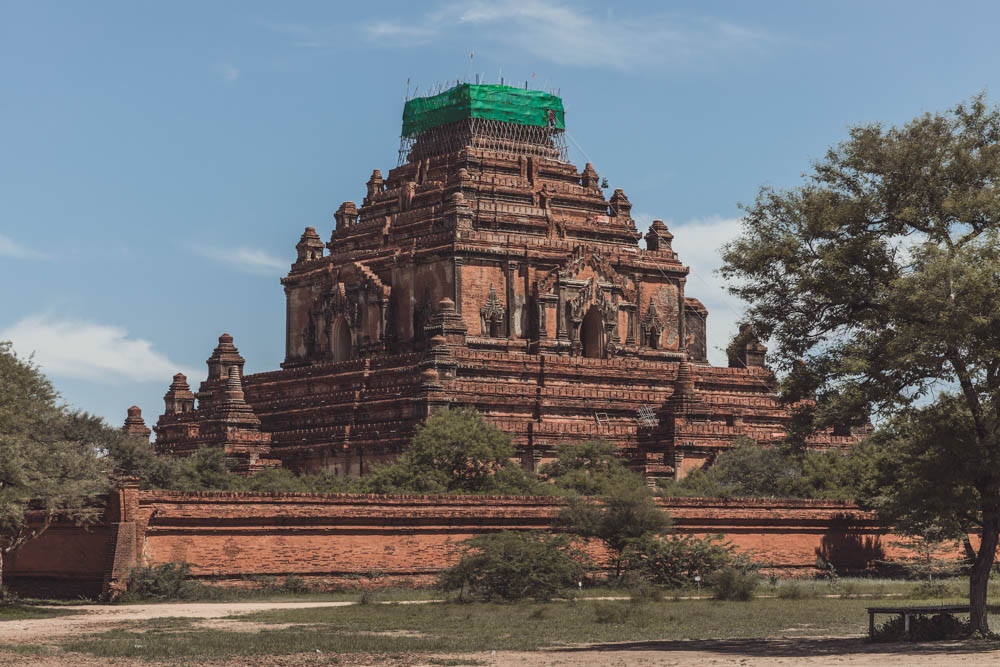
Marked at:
<point>485,270</point>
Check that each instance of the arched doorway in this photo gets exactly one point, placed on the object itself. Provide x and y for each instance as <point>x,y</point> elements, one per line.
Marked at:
<point>592,334</point>
<point>341,339</point>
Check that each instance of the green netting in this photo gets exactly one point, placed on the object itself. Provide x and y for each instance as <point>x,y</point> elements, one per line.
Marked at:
<point>505,103</point>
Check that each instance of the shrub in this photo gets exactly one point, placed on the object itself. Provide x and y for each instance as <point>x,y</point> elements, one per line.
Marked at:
<point>749,470</point>
<point>642,589</point>
<point>930,589</point>
<point>168,581</point>
<point>732,583</point>
<point>626,512</point>
<point>612,613</point>
<point>295,584</point>
<point>515,565</point>
<point>675,561</point>
<point>922,629</point>
<point>795,591</point>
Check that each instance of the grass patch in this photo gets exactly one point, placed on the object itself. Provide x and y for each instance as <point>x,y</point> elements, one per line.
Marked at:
<point>21,611</point>
<point>435,628</point>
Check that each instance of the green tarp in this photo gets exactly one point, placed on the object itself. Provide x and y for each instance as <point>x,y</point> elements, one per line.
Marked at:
<point>512,105</point>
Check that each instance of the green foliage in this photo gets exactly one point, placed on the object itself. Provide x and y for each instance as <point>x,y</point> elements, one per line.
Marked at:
<point>169,581</point>
<point>48,455</point>
<point>613,613</point>
<point>455,451</point>
<point>627,510</point>
<point>793,590</point>
<point>880,274</point>
<point>938,627</point>
<point>674,561</point>
<point>924,558</point>
<point>590,468</point>
<point>748,470</point>
<point>513,565</point>
<point>921,469</point>
<point>734,583</point>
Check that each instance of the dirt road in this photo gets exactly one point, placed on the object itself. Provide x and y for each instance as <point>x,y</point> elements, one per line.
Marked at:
<point>840,651</point>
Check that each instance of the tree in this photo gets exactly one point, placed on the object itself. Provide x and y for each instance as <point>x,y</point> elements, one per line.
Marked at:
<point>514,565</point>
<point>881,274</point>
<point>748,470</point>
<point>455,451</point>
<point>49,468</point>
<point>624,512</point>
<point>588,469</point>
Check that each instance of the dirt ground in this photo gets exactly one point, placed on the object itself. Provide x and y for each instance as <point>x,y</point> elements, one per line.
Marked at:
<point>758,652</point>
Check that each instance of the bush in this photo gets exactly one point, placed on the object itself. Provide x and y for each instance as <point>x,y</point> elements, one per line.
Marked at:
<point>295,584</point>
<point>795,591</point>
<point>626,512</point>
<point>922,629</point>
<point>749,470</point>
<point>612,613</point>
<point>930,589</point>
<point>641,589</point>
<point>675,561</point>
<point>168,581</point>
<point>732,583</point>
<point>515,565</point>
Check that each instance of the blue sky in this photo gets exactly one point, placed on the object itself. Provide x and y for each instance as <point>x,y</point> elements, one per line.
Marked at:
<point>158,161</point>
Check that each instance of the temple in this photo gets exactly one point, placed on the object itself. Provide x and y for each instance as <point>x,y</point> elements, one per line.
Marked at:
<point>484,270</point>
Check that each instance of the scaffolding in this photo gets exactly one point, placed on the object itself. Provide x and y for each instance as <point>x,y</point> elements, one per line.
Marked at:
<point>496,118</point>
<point>491,135</point>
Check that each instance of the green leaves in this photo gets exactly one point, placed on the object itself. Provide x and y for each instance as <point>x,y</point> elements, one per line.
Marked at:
<point>48,455</point>
<point>455,451</point>
<point>513,565</point>
<point>881,272</point>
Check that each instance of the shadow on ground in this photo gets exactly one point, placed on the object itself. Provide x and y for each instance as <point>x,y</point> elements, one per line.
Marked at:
<point>800,647</point>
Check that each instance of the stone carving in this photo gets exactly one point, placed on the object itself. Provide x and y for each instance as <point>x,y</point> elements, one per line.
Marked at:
<point>651,326</point>
<point>469,223</point>
<point>491,315</point>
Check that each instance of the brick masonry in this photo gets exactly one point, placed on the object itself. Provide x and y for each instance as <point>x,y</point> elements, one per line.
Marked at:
<point>330,539</point>
<point>501,278</point>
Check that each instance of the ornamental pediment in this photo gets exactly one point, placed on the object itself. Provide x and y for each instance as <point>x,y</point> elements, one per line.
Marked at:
<point>582,267</point>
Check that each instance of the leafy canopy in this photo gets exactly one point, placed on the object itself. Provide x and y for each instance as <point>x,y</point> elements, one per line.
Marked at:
<point>588,469</point>
<point>455,451</point>
<point>751,471</point>
<point>48,455</point>
<point>882,273</point>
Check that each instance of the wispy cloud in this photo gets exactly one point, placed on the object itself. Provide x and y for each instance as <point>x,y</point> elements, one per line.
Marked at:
<point>91,351</point>
<point>250,260</point>
<point>229,72</point>
<point>11,248</point>
<point>567,35</point>
<point>697,243</point>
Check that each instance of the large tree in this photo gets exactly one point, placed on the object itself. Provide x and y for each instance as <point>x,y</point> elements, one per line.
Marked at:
<point>454,451</point>
<point>49,466</point>
<point>882,274</point>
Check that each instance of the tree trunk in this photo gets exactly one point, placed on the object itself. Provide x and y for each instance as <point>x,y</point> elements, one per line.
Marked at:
<point>979,579</point>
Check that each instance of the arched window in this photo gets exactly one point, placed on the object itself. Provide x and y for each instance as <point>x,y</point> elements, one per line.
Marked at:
<point>592,334</point>
<point>341,340</point>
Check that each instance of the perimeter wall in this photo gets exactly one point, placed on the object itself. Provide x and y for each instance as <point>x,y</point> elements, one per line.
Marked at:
<point>234,538</point>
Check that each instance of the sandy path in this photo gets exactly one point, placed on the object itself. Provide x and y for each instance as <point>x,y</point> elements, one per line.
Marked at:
<point>100,618</point>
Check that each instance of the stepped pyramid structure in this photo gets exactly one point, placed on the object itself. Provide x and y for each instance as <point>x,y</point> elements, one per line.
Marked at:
<point>485,270</point>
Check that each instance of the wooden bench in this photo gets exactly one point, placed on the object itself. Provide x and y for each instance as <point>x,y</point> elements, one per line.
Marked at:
<point>907,612</point>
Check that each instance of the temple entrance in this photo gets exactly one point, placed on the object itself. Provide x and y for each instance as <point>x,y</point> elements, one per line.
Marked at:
<point>592,334</point>
<point>341,340</point>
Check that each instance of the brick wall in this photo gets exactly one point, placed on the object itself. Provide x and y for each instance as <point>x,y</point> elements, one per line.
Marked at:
<point>231,537</point>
